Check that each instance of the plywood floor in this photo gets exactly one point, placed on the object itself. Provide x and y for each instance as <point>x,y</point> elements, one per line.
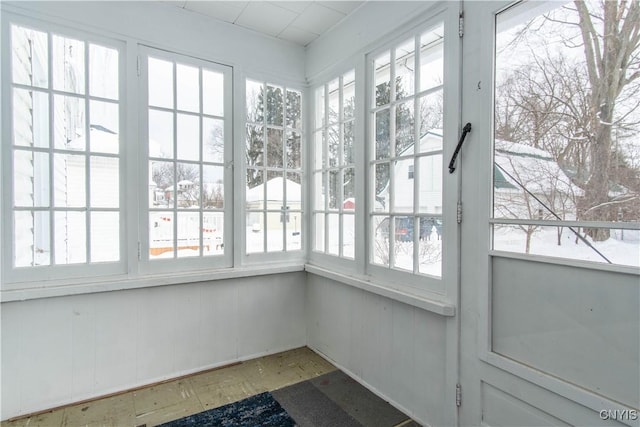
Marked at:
<point>176,399</point>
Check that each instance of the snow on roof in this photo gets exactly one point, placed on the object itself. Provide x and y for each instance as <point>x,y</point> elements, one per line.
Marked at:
<point>275,190</point>
<point>102,139</point>
<point>535,169</point>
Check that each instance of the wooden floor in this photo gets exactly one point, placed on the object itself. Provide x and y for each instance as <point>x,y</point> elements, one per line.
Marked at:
<point>176,399</point>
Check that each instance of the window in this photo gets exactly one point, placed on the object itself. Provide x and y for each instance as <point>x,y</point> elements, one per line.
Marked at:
<point>405,156</point>
<point>566,163</point>
<point>188,128</point>
<point>334,168</point>
<point>273,168</point>
<point>65,154</point>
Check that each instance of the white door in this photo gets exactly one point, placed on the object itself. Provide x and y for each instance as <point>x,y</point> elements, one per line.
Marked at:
<point>550,285</point>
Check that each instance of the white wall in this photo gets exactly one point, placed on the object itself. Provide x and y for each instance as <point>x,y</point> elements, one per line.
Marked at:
<point>399,351</point>
<point>60,350</point>
<point>357,32</point>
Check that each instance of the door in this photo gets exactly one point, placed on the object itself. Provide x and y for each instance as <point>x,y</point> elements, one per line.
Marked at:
<point>550,285</point>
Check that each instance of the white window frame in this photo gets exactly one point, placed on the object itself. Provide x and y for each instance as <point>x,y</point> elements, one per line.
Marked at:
<point>285,255</point>
<point>18,277</point>
<point>167,265</point>
<point>437,287</point>
<point>322,127</point>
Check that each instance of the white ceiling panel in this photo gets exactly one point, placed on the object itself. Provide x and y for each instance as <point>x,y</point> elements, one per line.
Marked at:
<point>266,18</point>
<point>345,7</point>
<point>299,22</point>
<point>294,6</point>
<point>317,18</point>
<point>228,11</point>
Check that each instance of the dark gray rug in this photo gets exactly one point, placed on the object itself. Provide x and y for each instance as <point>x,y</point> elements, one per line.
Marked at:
<point>334,399</point>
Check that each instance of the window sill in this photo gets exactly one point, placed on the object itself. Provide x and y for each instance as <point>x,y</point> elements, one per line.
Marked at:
<point>49,289</point>
<point>405,296</point>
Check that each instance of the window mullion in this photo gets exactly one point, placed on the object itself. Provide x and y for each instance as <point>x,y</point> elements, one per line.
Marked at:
<point>175,158</point>
<point>87,139</point>
<point>52,254</point>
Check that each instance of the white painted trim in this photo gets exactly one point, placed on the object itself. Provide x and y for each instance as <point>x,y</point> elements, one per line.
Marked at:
<point>591,265</point>
<point>396,292</point>
<point>49,289</point>
<point>549,223</point>
<point>563,388</point>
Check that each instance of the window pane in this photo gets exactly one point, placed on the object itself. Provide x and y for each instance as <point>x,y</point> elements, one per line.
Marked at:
<point>187,185</point>
<point>319,232</point>
<point>274,148</point>
<point>403,186</point>
<point>405,130</point>
<point>103,71</point>
<point>318,147</point>
<point>348,189</point>
<point>431,118</point>
<point>188,234</point>
<point>403,244</point>
<point>333,148</point>
<point>294,234</point>
<point>213,183</point>
<point>160,78</point>
<point>188,137</point>
<point>255,147</point>
<point>160,134</point>
<point>255,189</point>
<point>275,190</point>
<point>349,95</point>
<point>380,227</point>
<point>622,247</point>
<point>431,59</point>
<point>382,77</point>
<point>30,118</point>
<point>348,150</point>
<point>405,66</point>
<point>320,107</point>
<point>430,184</point>
<point>333,230</point>
<point>294,107</point>
<point>31,239</point>
<point>30,179</point>
<point>430,249</point>
<point>255,232</point>
<point>334,101</point>
<point>105,182</point>
<point>70,237</point>
<point>275,226</point>
<point>161,244</point>
<point>188,88</point>
<point>348,236</point>
<point>213,140</point>
<point>212,93</point>
<point>274,105</point>
<point>69,179</point>
<point>319,190</point>
<point>69,123</point>
<point>161,187</point>
<point>293,149</point>
<point>213,233</point>
<point>68,65</point>
<point>30,57</point>
<point>104,127</point>
<point>383,122</point>
<point>255,102</point>
<point>334,189</point>
<point>381,180</point>
<point>105,236</point>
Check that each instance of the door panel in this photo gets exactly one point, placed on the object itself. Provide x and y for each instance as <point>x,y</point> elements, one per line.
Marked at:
<point>550,325</point>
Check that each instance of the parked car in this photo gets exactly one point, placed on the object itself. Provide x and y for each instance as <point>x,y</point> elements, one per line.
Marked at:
<point>404,228</point>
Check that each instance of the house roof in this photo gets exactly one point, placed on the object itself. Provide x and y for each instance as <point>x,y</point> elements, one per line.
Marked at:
<point>275,191</point>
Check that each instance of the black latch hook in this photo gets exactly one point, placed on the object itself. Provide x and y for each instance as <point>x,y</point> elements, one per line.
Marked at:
<point>465,130</point>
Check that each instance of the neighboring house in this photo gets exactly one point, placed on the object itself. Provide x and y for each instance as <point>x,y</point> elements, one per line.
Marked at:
<point>515,166</point>
<point>274,200</point>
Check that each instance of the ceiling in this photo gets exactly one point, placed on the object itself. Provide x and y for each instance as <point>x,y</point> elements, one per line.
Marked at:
<point>299,22</point>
